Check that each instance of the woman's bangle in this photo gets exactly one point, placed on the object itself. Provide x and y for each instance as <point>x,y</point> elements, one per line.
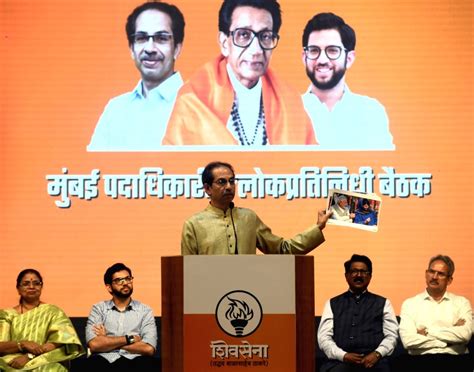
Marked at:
<point>20,349</point>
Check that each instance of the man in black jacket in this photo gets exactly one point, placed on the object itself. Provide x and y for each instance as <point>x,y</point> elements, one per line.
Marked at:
<point>358,329</point>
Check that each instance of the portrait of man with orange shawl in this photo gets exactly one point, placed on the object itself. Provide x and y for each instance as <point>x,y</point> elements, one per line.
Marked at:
<point>236,99</point>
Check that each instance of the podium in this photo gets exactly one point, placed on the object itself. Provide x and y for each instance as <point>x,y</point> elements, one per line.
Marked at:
<point>238,313</point>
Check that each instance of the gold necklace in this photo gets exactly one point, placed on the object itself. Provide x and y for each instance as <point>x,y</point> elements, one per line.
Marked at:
<point>22,307</point>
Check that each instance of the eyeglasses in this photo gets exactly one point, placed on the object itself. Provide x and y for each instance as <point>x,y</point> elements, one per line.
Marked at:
<point>243,37</point>
<point>223,182</point>
<point>34,283</point>
<point>332,51</point>
<point>122,281</point>
<point>441,275</point>
<point>359,272</point>
<point>161,38</point>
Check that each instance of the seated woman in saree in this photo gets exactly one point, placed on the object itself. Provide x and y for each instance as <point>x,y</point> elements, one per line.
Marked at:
<point>35,336</point>
<point>364,214</point>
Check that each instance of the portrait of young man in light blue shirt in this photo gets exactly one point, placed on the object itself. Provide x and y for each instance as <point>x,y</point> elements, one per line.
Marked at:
<point>342,120</point>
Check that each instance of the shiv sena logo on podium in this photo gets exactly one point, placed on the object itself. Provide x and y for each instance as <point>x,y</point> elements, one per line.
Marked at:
<point>239,313</point>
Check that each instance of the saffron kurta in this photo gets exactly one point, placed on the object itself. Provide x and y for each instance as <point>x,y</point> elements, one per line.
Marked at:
<point>211,231</point>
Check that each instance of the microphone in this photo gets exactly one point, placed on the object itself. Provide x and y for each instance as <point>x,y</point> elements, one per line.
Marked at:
<point>231,207</point>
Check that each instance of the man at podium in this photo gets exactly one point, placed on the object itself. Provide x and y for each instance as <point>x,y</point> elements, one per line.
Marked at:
<point>222,228</point>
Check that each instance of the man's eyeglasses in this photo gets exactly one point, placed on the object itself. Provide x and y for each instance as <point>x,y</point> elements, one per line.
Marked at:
<point>332,51</point>
<point>359,272</point>
<point>161,38</point>
<point>243,37</point>
<point>122,281</point>
<point>441,275</point>
<point>223,182</point>
<point>34,283</point>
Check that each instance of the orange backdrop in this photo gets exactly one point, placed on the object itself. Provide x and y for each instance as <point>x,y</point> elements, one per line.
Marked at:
<point>61,63</point>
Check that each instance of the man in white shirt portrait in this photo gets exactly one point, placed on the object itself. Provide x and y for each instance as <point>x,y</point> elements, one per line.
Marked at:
<point>137,120</point>
<point>436,325</point>
<point>341,210</point>
<point>342,120</point>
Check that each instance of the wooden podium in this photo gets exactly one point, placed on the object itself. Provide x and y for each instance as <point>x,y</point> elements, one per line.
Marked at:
<point>238,313</point>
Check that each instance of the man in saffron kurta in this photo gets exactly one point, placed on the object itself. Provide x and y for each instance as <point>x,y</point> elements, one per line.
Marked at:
<point>236,99</point>
<point>223,229</point>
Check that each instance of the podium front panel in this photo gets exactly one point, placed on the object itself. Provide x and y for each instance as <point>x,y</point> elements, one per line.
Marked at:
<point>241,313</point>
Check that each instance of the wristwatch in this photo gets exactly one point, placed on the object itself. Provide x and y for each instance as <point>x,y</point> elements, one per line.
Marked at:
<point>379,356</point>
<point>130,339</point>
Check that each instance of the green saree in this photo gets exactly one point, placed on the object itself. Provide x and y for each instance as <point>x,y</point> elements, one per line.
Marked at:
<point>46,323</point>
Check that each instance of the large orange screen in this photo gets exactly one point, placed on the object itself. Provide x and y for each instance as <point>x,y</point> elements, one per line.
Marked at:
<point>62,62</point>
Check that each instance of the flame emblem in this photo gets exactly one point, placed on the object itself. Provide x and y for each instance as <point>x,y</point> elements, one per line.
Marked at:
<point>239,313</point>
